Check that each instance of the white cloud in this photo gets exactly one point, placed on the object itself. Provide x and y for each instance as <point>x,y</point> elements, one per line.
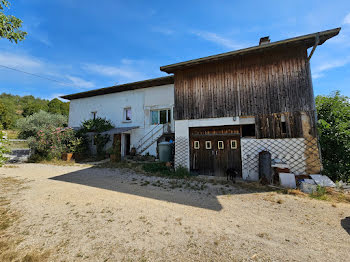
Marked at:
<point>319,69</point>
<point>346,20</point>
<point>215,38</point>
<point>113,71</point>
<point>20,61</point>
<point>79,82</point>
<point>37,66</point>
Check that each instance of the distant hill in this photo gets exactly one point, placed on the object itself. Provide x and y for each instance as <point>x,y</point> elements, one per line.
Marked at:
<point>14,107</point>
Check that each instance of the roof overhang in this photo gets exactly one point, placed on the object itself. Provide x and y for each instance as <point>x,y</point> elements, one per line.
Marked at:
<point>305,40</point>
<point>124,87</point>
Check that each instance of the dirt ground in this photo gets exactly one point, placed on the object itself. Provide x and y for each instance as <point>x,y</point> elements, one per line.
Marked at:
<point>80,213</point>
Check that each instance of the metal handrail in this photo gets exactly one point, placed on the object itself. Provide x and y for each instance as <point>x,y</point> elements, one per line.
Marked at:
<point>141,142</point>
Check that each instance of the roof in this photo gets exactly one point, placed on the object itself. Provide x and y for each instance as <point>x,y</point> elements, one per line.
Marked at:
<point>124,87</point>
<point>306,40</point>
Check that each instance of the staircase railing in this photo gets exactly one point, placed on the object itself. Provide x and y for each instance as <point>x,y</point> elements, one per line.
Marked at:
<point>152,136</point>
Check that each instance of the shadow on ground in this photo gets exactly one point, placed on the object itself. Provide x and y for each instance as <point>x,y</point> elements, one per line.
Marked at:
<point>345,223</point>
<point>112,179</point>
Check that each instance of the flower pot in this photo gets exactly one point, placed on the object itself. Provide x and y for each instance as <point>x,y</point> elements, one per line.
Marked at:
<point>67,156</point>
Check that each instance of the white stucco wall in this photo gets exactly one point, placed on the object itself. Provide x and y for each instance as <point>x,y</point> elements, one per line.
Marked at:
<point>111,106</point>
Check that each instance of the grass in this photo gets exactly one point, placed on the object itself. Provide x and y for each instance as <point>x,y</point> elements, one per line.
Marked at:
<point>154,169</point>
<point>17,144</point>
<point>322,193</point>
<point>56,162</point>
<point>8,217</point>
<point>12,134</point>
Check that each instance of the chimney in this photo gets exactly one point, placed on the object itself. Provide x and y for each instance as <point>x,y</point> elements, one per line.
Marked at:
<point>264,40</point>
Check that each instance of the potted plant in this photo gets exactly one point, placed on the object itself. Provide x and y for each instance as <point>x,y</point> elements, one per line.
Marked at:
<point>72,148</point>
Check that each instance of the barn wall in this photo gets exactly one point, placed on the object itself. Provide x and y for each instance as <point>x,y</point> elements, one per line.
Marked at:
<point>256,84</point>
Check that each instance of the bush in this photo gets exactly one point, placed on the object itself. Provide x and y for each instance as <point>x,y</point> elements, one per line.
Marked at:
<point>50,142</point>
<point>182,172</point>
<point>97,125</point>
<point>3,148</point>
<point>30,125</point>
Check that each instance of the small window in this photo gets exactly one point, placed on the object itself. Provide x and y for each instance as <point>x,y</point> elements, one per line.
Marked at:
<point>127,114</point>
<point>220,144</point>
<point>248,130</point>
<point>233,144</point>
<point>207,144</point>
<point>284,127</point>
<point>196,145</point>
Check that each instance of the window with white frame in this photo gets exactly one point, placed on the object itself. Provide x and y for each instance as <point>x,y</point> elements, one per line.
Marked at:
<point>207,144</point>
<point>220,144</point>
<point>233,144</point>
<point>127,114</point>
<point>162,116</point>
<point>196,145</point>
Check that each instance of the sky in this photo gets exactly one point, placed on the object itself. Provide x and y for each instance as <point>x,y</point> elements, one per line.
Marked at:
<point>84,44</point>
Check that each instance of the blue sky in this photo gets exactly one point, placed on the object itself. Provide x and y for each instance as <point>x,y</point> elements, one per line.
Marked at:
<point>93,44</point>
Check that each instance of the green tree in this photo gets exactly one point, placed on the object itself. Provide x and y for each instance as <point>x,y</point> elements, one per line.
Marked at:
<point>32,124</point>
<point>55,106</point>
<point>7,116</point>
<point>65,108</point>
<point>32,108</point>
<point>333,114</point>
<point>10,25</point>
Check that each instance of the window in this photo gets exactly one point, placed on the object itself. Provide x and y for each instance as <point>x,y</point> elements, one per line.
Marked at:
<point>248,130</point>
<point>220,144</point>
<point>196,145</point>
<point>284,127</point>
<point>207,144</point>
<point>127,114</point>
<point>160,116</point>
<point>233,144</point>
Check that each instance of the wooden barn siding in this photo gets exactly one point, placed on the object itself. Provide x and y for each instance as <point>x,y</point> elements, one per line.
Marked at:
<point>260,84</point>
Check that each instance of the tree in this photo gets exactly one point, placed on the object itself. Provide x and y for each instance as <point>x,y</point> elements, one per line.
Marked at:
<point>10,25</point>
<point>32,108</point>
<point>56,106</point>
<point>333,114</point>
<point>30,125</point>
<point>7,117</point>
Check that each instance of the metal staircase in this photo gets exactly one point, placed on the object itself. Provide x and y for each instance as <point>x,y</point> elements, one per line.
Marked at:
<point>151,137</point>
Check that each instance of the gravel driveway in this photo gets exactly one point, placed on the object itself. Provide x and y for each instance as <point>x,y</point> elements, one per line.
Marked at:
<point>80,213</point>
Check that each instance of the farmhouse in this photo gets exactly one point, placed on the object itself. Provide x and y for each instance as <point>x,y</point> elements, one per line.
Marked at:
<point>223,110</point>
<point>142,112</point>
